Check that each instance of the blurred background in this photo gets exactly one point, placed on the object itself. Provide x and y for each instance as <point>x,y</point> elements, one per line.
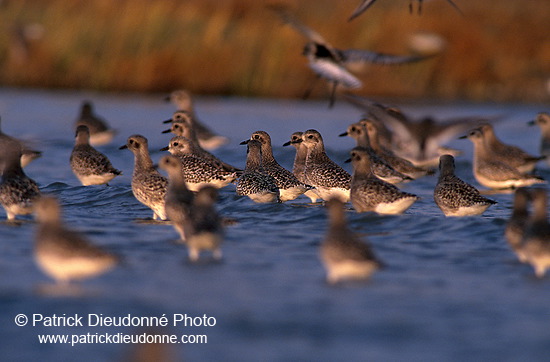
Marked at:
<point>496,51</point>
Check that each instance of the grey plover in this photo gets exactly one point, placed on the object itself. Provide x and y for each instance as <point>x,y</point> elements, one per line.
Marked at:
<point>207,138</point>
<point>454,196</point>
<point>543,121</point>
<point>90,166</point>
<point>398,163</point>
<point>365,4</point>
<point>516,225</point>
<point>62,253</point>
<point>512,155</point>
<point>300,162</point>
<point>380,167</point>
<point>331,63</point>
<point>343,254</point>
<point>536,243</point>
<point>17,191</point>
<point>206,227</point>
<point>100,132</point>
<point>255,182</point>
<point>369,193</point>
<point>289,186</point>
<point>27,154</point>
<point>198,171</point>
<point>182,126</point>
<point>420,141</point>
<point>179,199</point>
<point>491,172</point>
<point>148,185</point>
<point>329,179</point>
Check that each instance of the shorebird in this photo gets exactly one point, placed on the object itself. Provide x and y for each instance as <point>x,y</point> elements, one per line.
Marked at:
<point>300,162</point>
<point>536,243</point>
<point>148,185</point>
<point>365,4</point>
<point>179,199</point>
<point>17,191</point>
<point>329,179</point>
<point>62,253</point>
<point>206,228</point>
<point>90,166</point>
<point>331,63</point>
<point>543,121</point>
<point>183,126</point>
<point>380,167</point>
<point>512,155</point>
<point>27,155</point>
<point>255,182</point>
<point>516,225</point>
<point>369,193</point>
<point>455,197</point>
<point>208,139</point>
<point>198,171</point>
<point>100,132</point>
<point>398,163</point>
<point>289,186</point>
<point>491,172</point>
<point>343,254</point>
<point>419,141</point>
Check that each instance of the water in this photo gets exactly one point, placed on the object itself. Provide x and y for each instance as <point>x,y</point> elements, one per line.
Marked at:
<point>452,290</point>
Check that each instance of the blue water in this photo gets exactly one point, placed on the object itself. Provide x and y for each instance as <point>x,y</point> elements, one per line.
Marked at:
<point>452,291</point>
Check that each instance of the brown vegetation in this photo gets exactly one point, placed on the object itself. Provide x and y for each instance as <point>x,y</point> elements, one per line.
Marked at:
<point>497,51</point>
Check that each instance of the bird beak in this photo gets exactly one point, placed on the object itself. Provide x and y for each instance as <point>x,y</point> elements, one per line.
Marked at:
<point>286,144</point>
<point>463,137</point>
<point>123,147</point>
<point>167,121</point>
<point>165,148</point>
<point>531,123</point>
<point>166,131</point>
<point>348,160</point>
<point>343,134</point>
<point>244,142</point>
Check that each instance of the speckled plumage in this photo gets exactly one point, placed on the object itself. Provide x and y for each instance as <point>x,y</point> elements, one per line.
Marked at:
<point>289,185</point>
<point>369,193</point>
<point>148,185</point>
<point>62,253</point>
<point>100,132</point>
<point>536,243</point>
<point>329,179</point>
<point>89,165</point>
<point>455,197</point>
<point>207,138</point>
<point>300,162</point>
<point>516,225</point>
<point>509,154</point>
<point>255,182</point>
<point>492,173</point>
<point>179,198</point>
<point>17,191</point>
<point>381,169</point>
<point>183,126</point>
<point>198,171</point>
<point>344,255</point>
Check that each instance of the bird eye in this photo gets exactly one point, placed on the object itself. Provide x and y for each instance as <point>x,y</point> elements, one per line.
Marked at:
<point>176,144</point>
<point>256,137</point>
<point>310,136</point>
<point>353,129</point>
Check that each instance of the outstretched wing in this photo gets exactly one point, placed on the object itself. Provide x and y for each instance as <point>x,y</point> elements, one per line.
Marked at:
<point>367,56</point>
